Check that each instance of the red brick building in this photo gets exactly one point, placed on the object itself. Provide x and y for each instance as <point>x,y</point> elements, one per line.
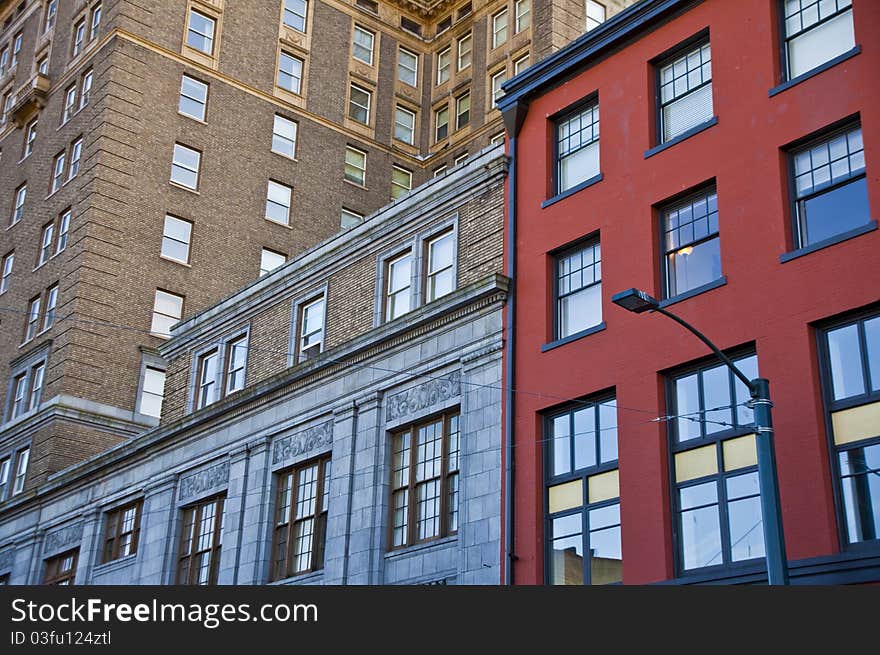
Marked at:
<point>733,180</point>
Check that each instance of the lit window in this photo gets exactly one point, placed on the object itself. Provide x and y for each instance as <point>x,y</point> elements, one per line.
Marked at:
<point>577,147</point>
<point>596,14</point>
<point>362,45</point>
<point>685,92</point>
<point>284,136</point>
<point>198,560</point>
<point>46,244</point>
<point>441,123</point>
<point>295,14</point>
<point>464,51</point>
<point>33,319</point>
<point>193,98</point>
<point>359,105</point>
<point>18,208</point>
<point>290,70</point>
<point>462,110</point>
<point>441,267</point>
<point>61,570</point>
<point>79,36</point>
<point>57,172</point>
<point>63,229</point>
<point>85,90</point>
<point>311,329</point>
<point>443,64</point>
<point>152,392</point>
<point>200,34</point>
<point>51,304</point>
<point>355,166</point>
<point>270,260</point>
<point>691,246</point>
<point>278,202</point>
<point>185,166</point>
<point>8,262</point>
<point>816,32</point>
<point>236,364</point>
<point>497,80</point>
<point>407,67</point>
<point>75,154</point>
<point>401,182</point>
<point>30,138</point>
<point>398,282</point>
<point>206,381</point>
<point>578,289</point>
<point>523,15</point>
<point>121,532</point>
<point>176,238</point>
<point>350,218</point>
<point>404,125</point>
<point>167,310</point>
<point>499,30</point>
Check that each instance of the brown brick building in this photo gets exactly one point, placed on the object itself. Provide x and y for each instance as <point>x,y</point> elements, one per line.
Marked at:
<point>155,156</point>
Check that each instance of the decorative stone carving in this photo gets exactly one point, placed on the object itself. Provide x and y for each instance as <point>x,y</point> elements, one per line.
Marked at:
<point>204,480</point>
<point>6,557</point>
<point>306,441</point>
<point>62,537</point>
<point>425,395</point>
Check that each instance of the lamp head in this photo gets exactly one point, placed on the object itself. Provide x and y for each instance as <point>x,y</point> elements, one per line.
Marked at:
<point>635,300</point>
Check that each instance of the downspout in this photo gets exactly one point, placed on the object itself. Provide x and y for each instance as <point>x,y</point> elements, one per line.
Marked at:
<point>510,310</point>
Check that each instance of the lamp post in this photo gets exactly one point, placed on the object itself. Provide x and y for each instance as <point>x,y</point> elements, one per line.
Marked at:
<point>637,301</point>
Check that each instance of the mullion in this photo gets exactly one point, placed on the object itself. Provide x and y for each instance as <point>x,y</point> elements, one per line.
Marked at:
<point>214,564</point>
<point>863,352</point>
<point>291,520</point>
<point>319,498</point>
<point>723,517</point>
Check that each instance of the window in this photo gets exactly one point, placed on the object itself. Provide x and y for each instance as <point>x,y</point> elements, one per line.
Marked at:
<point>398,282</point>
<point>30,138</point>
<point>595,14</point>
<point>8,261</point>
<point>33,319</point>
<point>407,67</point>
<point>831,192</point>
<point>499,30</point>
<point>464,51</point>
<point>284,136</point>
<point>95,22</point>
<point>121,531</point>
<point>362,45</point>
<point>355,166</point>
<point>51,303</point>
<point>369,5</point>
<point>4,477</point>
<point>18,209</point>
<point>61,569</point>
<point>236,363</point>
<point>441,123</point>
<point>440,278</point>
<point>578,289</point>
<point>4,59</point>
<point>577,147</point>
<point>401,182</point>
<point>185,166</point>
<point>75,154</point>
<point>51,11</point>
<point>57,172</point>
<point>167,310</point>
<point>176,238</point>
<point>496,139</point>
<point>359,105</point>
<point>290,70</point>
<point>38,372</point>
<point>311,328</point>
<point>350,218</point>
<point>46,243</point>
<point>85,89</point>
<point>443,64</point>
<point>201,538</point>
<point>278,202</point>
<point>691,247</point>
<point>685,92</point>
<point>523,9</point>
<point>19,396</point>
<point>583,495</point>
<point>63,229</point>
<point>462,158</point>
<point>206,381</point>
<point>424,481</point>
<point>270,260</point>
<point>200,33</point>
<point>410,25</point>
<point>193,98</point>
<point>79,37</point>
<point>301,519</point>
<point>69,104</point>
<point>717,506</point>
<point>815,32</point>
<point>497,80</point>
<point>520,65</point>
<point>43,66</point>
<point>462,110</point>
<point>21,465</point>
<point>850,355</point>
<point>295,14</point>
<point>464,10</point>
<point>152,392</point>
<point>404,125</point>
<point>16,49</point>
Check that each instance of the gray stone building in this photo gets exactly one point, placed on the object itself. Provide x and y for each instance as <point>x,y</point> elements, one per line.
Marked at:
<point>337,421</point>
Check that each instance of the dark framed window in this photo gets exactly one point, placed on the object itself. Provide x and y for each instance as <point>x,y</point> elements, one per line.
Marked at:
<point>121,531</point>
<point>850,356</point>
<point>577,146</point>
<point>829,186</point>
<point>815,31</point>
<point>578,288</point>
<point>201,539</point>
<point>582,495</point>
<point>424,481</point>
<point>301,505</point>
<point>61,569</point>
<point>684,82</point>
<point>714,471</point>
<point>691,246</point>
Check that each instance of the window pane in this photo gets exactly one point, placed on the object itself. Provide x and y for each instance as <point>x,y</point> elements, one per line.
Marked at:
<point>606,555</point>
<point>560,446</point>
<point>700,528</point>
<point>746,529</point>
<point>608,431</point>
<point>580,310</point>
<point>585,438</point>
<point>716,393</point>
<point>835,212</point>
<point>872,338</point>
<point>820,44</point>
<point>687,111</point>
<point>845,356</point>
<point>687,404</point>
<point>693,266</point>
<point>749,367</point>
<point>860,483</point>
<point>567,554</point>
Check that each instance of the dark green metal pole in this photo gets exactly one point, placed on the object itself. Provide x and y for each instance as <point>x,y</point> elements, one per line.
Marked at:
<point>771,514</point>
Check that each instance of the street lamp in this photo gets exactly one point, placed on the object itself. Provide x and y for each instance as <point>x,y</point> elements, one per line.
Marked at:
<point>638,302</point>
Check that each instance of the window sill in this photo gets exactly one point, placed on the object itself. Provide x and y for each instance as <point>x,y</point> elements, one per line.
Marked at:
<point>278,223</point>
<point>681,137</point>
<point>193,118</point>
<point>819,245</point>
<point>831,63</point>
<point>306,577</point>
<point>12,225</point>
<point>363,187</point>
<point>118,563</point>
<point>568,192</point>
<point>164,337</point>
<point>720,282</point>
<point>184,188</point>
<point>286,156</point>
<point>403,551</point>
<point>573,337</point>
<point>175,261</point>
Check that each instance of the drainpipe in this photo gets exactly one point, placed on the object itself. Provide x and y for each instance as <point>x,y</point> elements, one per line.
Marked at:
<point>510,309</point>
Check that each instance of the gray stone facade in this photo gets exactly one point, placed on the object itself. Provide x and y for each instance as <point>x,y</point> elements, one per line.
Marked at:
<point>346,402</point>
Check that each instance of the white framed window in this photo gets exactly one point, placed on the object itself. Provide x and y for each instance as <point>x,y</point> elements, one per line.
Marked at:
<point>465,44</point>
<point>499,29</point>
<point>51,304</point>
<point>18,208</point>
<point>356,166</point>
<point>270,260</point>
<point>462,110</point>
<point>290,71</point>
<point>497,80</point>
<point>46,238</point>
<point>20,471</point>
<point>43,66</point>
<point>6,274</point>
<point>520,65</point>
<point>75,155</point>
<point>19,395</point>
<point>200,32</point>
<point>95,22</point>
<point>57,172</point>
<point>30,138</point>
<point>176,239</point>
<point>440,274</point>
<point>398,283</point>
<point>816,32</point>
<point>63,229</point>
<point>152,392</point>
<point>497,138</point>
<point>236,364</point>
<point>407,67</point>
<point>443,65</point>
<point>167,310</point>
<point>462,158</point>
<point>4,60</point>
<point>85,89</point>
<point>278,202</point>
<point>311,328</point>
<point>38,374</point>
<point>207,392</point>
<point>79,37</point>
<point>404,125</point>
<point>193,98</point>
<point>69,104</point>
<point>362,45</point>
<point>359,104</point>
<point>596,14</point>
<point>295,12</point>
<point>33,319</point>
<point>185,166</point>
<point>51,13</point>
<point>441,123</point>
<point>16,49</point>
<point>350,218</point>
<point>401,182</point>
<point>440,170</point>
<point>523,14</point>
<point>284,136</point>
<point>685,91</point>
<point>4,477</point>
